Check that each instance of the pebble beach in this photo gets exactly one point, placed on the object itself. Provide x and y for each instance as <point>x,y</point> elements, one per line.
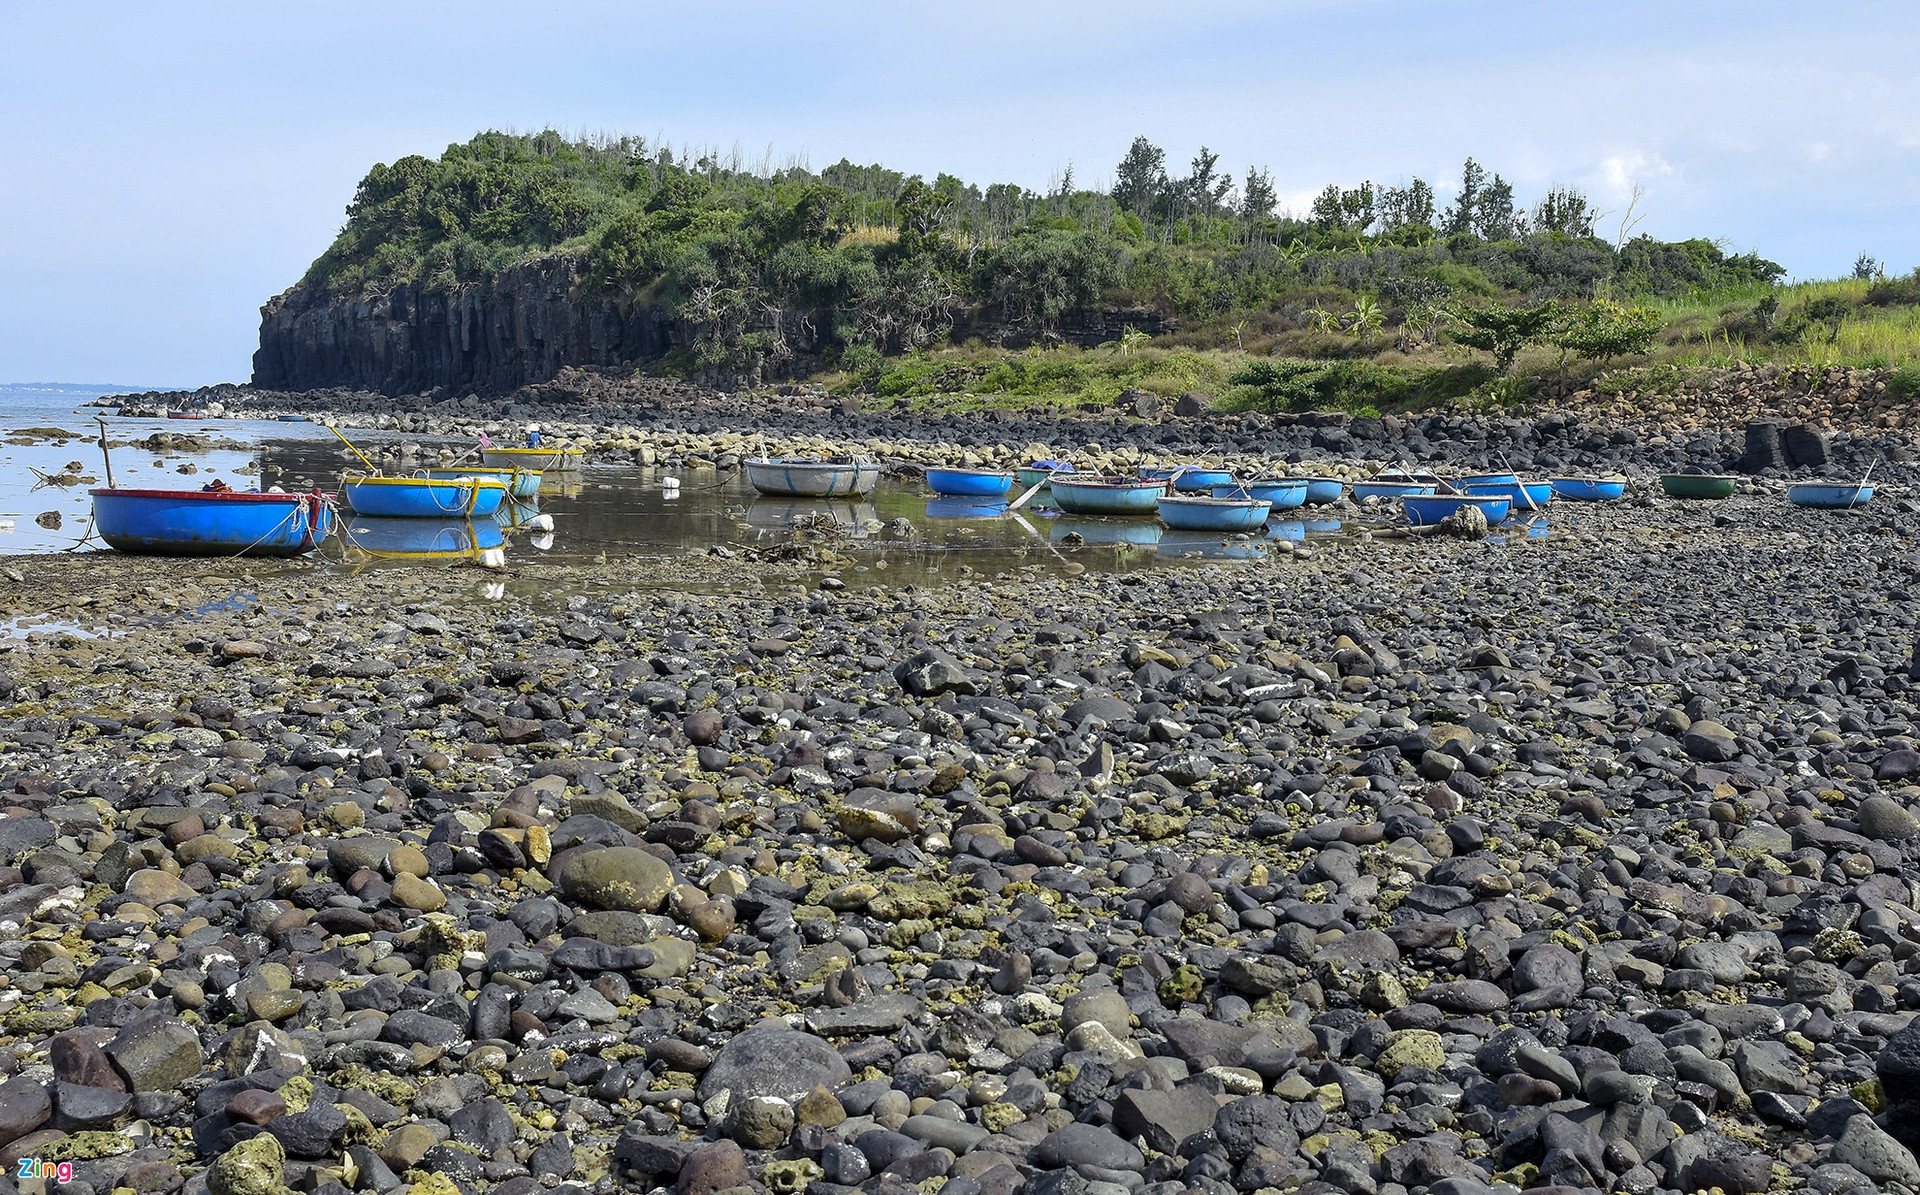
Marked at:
<point>1400,866</point>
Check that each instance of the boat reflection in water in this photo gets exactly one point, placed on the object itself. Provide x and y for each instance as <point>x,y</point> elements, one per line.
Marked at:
<point>1209,545</point>
<point>1106,531</point>
<point>780,515</point>
<point>369,540</point>
<point>950,507</point>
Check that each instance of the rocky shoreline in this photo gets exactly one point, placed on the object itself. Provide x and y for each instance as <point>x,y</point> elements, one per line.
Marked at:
<point>651,421</point>
<point>1579,865</point>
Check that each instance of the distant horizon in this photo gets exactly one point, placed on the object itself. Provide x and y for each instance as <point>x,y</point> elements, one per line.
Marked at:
<point>164,204</point>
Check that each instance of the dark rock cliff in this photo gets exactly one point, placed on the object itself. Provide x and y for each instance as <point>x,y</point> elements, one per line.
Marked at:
<point>521,328</point>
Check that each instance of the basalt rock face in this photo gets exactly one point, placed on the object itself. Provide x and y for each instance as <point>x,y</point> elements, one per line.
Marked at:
<point>520,329</point>
<point>527,325</point>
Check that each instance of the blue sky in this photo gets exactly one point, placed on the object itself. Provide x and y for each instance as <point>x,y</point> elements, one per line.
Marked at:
<point>171,166</point>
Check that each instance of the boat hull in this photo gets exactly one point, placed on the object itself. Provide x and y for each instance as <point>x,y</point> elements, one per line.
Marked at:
<point>210,523</point>
<point>1040,471</point>
<point>812,479</point>
<point>1364,490</point>
<point>1696,485</point>
<point>1475,479</point>
<point>537,459</point>
<point>422,497</point>
<point>969,483</point>
<point>1323,491</point>
<point>523,485</point>
<point>1214,514</point>
<point>1521,495</point>
<point>1424,510</point>
<point>1823,496</point>
<point>1284,495</point>
<point>1100,497</point>
<point>1189,480</point>
<point>1589,489</point>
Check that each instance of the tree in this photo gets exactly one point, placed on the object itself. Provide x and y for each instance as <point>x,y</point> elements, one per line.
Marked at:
<point>1865,268</point>
<point>1503,331</point>
<point>1365,319</point>
<point>1141,178</point>
<point>1339,210</point>
<point>1207,184</point>
<point>1257,197</point>
<point>1495,218</point>
<point>1402,207</point>
<point>1465,209</point>
<point>1604,329</point>
<point>1564,210</point>
<point>1288,384</point>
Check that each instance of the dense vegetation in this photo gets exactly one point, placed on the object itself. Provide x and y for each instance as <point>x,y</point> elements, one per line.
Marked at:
<point>764,265</point>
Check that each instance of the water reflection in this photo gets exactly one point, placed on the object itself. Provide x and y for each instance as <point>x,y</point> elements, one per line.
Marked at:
<point>1105,531</point>
<point>948,507</point>
<point>366,539</point>
<point>781,515</point>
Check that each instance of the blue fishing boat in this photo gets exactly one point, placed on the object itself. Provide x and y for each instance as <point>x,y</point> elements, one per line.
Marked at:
<point>1192,513</point>
<point>1284,494</point>
<point>1322,491</point>
<point>1090,494</point>
<point>1094,531</point>
<point>1486,479</point>
<point>1038,471</point>
<point>1426,509</point>
<point>1392,486</point>
<point>523,485</point>
<point>1829,495</point>
<point>970,483</point>
<point>422,539</point>
<point>292,419</point>
<point>1188,479</point>
<point>1523,495</point>
<point>812,478</point>
<point>211,522</point>
<point>465,497</point>
<point>1589,489</point>
<point>951,507</point>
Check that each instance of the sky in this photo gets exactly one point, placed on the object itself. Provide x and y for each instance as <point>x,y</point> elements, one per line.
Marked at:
<point>168,168</point>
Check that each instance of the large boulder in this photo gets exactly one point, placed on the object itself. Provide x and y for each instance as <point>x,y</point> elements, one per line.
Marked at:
<point>625,878</point>
<point>783,1063</point>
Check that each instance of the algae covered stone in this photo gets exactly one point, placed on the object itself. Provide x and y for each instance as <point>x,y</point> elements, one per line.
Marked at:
<point>618,877</point>
<point>253,1167</point>
<point>1411,1047</point>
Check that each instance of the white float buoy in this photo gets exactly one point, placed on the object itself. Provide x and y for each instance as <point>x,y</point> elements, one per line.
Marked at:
<point>493,558</point>
<point>540,523</point>
<point>542,541</point>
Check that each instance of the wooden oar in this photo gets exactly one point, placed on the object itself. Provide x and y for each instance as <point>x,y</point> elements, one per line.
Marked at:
<point>1858,490</point>
<point>349,443</point>
<point>1022,499</point>
<point>104,454</point>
